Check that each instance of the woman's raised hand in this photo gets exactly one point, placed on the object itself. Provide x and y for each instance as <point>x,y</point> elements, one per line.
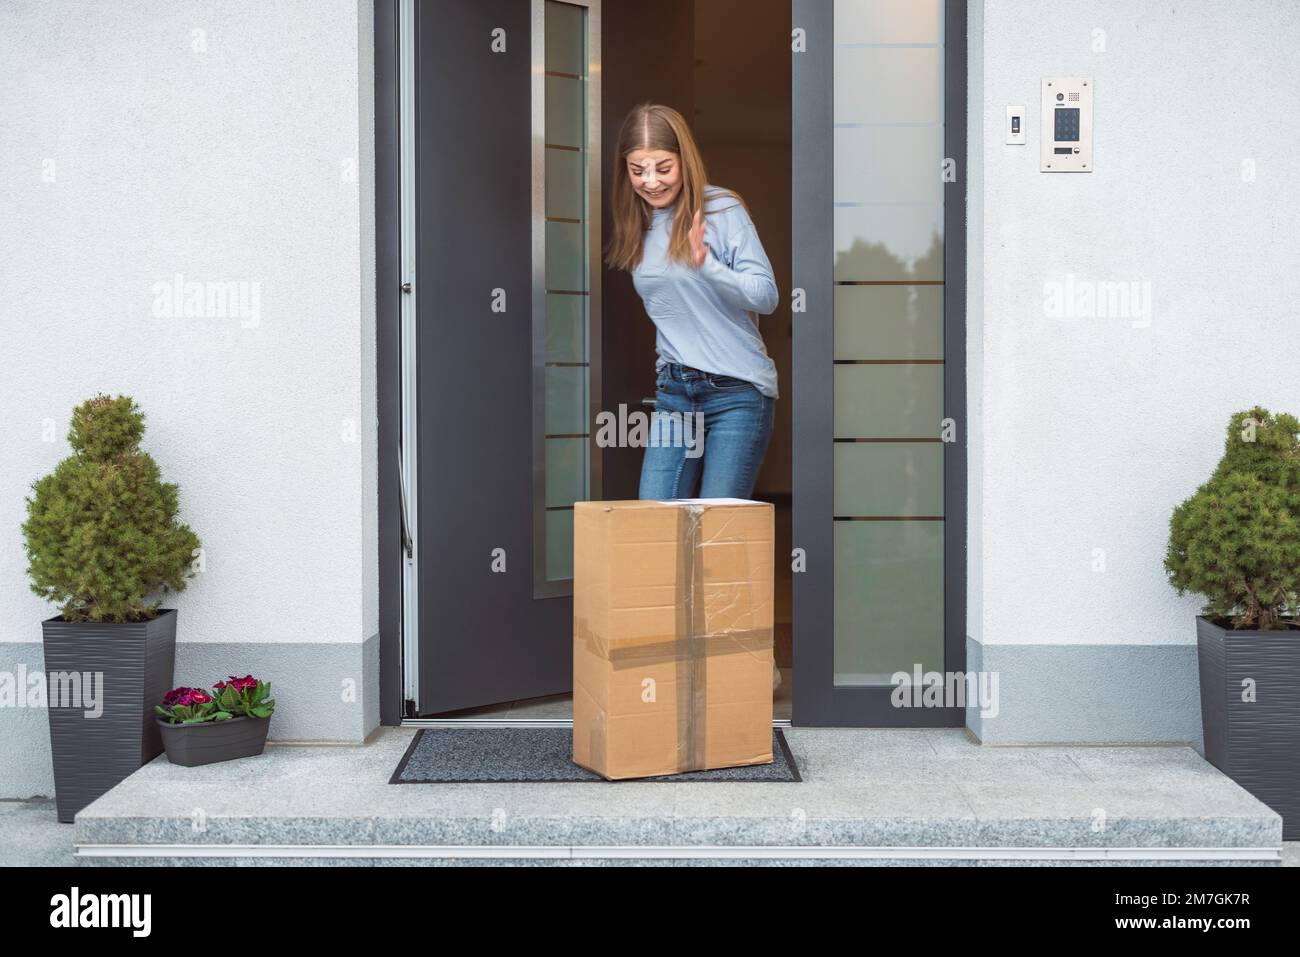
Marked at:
<point>696,237</point>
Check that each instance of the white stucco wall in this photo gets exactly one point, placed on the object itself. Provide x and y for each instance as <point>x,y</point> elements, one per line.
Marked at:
<point>1093,429</point>
<point>222,141</point>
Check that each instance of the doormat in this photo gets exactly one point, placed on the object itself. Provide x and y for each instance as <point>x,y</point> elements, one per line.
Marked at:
<point>542,755</point>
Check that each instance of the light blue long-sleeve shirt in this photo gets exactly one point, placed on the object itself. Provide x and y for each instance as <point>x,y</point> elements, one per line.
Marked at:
<point>705,317</point>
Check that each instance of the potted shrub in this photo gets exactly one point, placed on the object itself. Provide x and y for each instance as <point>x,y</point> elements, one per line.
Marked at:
<point>103,542</point>
<point>230,722</point>
<point>1236,541</point>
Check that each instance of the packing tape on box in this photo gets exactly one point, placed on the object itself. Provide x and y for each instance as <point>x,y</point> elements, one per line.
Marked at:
<point>692,669</point>
<point>669,648</point>
<point>689,647</point>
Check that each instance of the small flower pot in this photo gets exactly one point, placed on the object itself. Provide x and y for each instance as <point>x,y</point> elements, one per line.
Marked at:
<point>1254,742</point>
<point>207,742</point>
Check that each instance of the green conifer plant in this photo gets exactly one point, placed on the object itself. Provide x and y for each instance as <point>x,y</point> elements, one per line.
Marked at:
<point>102,533</point>
<point>1236,541</point>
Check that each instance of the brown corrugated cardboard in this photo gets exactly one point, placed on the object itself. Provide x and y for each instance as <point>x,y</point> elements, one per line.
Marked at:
<point>672,635</point>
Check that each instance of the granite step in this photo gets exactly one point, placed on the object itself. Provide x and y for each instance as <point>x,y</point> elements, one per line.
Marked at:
<point>869,796</point>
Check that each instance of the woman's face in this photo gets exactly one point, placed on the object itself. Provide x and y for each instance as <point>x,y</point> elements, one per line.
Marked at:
<point>656,176</point>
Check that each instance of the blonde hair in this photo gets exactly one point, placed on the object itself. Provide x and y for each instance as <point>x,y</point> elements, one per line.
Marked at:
<point>651,126</point>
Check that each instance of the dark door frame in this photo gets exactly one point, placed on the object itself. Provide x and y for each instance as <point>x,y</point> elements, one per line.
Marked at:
<point>810,526</point>
<point>813,447</point>
<point>388,357</point>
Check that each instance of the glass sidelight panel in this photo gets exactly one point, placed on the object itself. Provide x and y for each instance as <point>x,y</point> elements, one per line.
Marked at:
<point>888,599</point>
<point>888,142</point>
<point>566,328</point>
<point>566,257</point>
<point>888,332</point>
<point>566,401</point>
<point>902,157</point>
<point>559,539</point>
<point>887,322</point>
<point>566,184</point>
<point>565,38</point>
<point>884,480</point>
<point>888,401</point>
<point>882,83</point>
<point>885,22</point>
<point>566,106</point>
<point>566,472</point>
<point>566,224</point>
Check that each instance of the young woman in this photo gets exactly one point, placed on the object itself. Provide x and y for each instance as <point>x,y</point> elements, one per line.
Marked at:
<point>700,269</point>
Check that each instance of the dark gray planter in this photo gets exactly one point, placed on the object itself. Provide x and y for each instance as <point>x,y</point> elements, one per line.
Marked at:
<point>1256,743</point>
<point>210,741</point>
<point>93,753</point>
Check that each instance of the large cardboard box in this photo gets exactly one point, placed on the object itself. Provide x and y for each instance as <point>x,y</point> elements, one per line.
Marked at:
<point>672,635</point>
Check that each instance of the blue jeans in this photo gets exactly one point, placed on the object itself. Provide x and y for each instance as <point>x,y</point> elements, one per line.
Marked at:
<point>736,421</point>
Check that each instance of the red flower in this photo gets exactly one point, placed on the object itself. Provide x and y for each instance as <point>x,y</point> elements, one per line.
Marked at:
<point>184,696</point>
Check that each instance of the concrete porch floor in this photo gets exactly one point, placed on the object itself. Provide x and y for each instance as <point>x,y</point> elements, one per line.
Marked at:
<point>869,796</point>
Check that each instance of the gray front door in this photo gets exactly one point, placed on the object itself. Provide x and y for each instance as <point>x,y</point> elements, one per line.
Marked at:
<point>494,612</point>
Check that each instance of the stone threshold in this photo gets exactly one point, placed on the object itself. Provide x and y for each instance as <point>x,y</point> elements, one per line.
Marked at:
<point>868,796</point>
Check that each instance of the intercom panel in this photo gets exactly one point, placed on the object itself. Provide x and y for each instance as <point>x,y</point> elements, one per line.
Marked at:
<point>1066,124</point>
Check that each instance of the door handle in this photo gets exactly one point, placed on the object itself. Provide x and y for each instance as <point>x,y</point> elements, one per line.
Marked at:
<point>408,544</point>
